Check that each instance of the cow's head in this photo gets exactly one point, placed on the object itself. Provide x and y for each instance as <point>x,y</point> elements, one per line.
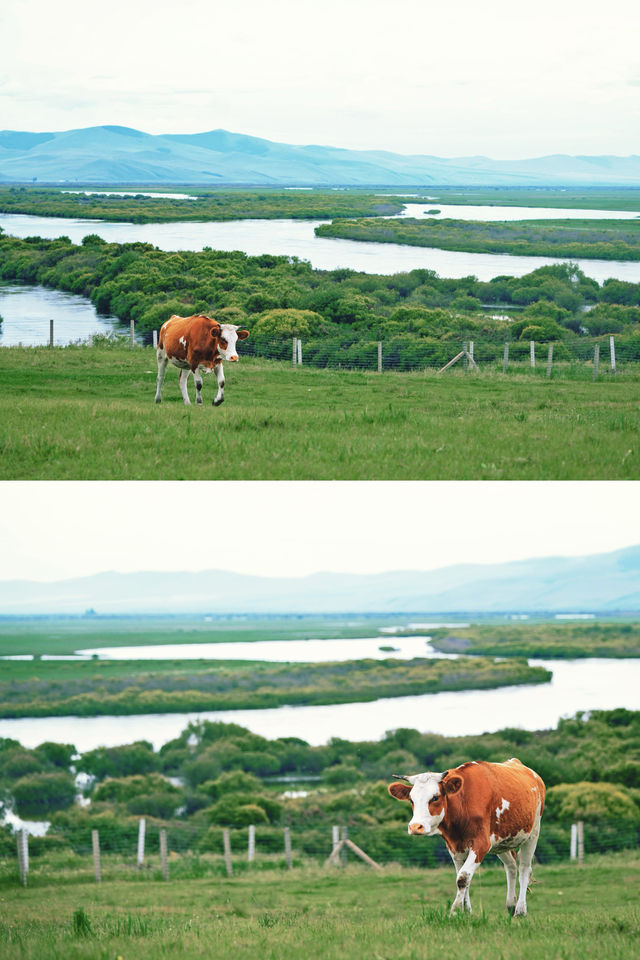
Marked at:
<point>427,793</point>
<point>227,340</point>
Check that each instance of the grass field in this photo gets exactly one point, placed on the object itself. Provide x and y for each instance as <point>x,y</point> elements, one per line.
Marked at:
<point>574,912</point>
<point>87,414</point>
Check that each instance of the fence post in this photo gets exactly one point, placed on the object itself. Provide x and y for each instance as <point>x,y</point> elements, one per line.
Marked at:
<point>343,852</point>
<point>155,339</point>
<point>299,352</point>
<point>95,846</point>
<point>505,359</point>
<point>50,333</point>
<point>141,829</point>
<point>132,333</point>
<point>612,349</point>
<point>22,838</point>
<point>596,360</point>
<point>580,842</point>
<point>532,351</point>
<point>164,856</point>
<point>287,847</point>
<point>465,354</point>
<point>226,842</point>
<point>252,843</point>
<point>549,359</point>
<point>294,356</point>
<point>335,838</point>
<point>471,352</point>
<point>573,846</point>
<point>90,340</point>
<point>379,356</point>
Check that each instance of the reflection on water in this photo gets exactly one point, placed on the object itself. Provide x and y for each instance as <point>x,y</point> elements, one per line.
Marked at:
<point>27,311</point>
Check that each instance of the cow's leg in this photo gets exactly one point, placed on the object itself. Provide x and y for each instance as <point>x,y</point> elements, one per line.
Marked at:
<point>459,859</point>
<point>162,369</point>
<point>219,397</point>
<point>509,860</point>
<point>526,853</point>
<point>182,380</point>
<point>472,861</point>
<point>197,376</point>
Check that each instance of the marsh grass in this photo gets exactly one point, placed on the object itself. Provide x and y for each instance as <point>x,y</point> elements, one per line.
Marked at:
<point>86,414</point>
<point>400,913</point>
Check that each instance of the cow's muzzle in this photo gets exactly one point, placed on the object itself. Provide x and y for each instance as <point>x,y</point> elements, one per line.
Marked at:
<point>233,359</point>
<point>416,829</point>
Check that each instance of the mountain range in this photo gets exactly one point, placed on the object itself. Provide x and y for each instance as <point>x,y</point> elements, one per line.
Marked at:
<point>117,155</point>
<point>602,583</point>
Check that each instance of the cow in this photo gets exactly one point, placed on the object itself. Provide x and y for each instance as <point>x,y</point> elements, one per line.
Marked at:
<point>478,808</point>
<point>197,345</point>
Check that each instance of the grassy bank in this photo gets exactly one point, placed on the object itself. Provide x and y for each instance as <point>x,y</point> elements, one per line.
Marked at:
<point>86,414</point>
<point>601,239</point>
<point>141,687</point>
<point>544,640</point>
<point>573,913</point>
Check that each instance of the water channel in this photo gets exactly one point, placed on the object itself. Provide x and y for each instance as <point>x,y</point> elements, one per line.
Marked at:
<point>576,685</point>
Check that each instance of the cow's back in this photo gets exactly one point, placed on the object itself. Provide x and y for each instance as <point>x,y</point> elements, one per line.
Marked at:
<point>509,797</point>
<point>184,337</point>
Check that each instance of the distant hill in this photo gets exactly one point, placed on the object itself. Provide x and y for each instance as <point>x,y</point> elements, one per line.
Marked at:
<point>596,584</point>
<point>111,154</point>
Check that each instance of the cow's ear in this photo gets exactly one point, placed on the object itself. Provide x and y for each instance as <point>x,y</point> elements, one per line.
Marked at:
<point>400,791</point>
<point>452,784</point>
<point>243,334</point>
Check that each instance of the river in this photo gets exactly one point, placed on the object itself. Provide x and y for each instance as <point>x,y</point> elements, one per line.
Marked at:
<point>296,238</point>
<point>576,685</point>
<point>26,312</point>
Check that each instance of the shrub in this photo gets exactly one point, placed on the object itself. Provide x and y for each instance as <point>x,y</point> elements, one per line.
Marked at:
<point>40,794</point>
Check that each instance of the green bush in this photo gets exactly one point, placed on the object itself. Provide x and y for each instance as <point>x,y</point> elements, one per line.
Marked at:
<point>38,795</point>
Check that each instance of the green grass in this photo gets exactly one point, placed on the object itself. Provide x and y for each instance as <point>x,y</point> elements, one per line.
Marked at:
<point>544,640</point>
<point>587,912</point>
<point>86,414</point>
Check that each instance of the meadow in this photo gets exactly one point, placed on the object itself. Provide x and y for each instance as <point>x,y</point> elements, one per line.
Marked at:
<point>86,414</point>
<point>545,640</point>
<point>574,912</point>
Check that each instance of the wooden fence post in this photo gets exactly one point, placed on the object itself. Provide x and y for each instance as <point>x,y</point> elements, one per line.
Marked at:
<point>294,355</point>
<point>132,333</point>
<point>471,352</point>
<point>50,333</point>
<point>22,838</point>
<point>532,352</point>
<point>580,842</point>
<point>155,339</point>
<point>596,360</point>
<point>95,846</point>
<point>164,855</point>
<point>141,831</point>
<point>287,847</point>
<point>573,845</point>
<point>226,842</point>
<point>343,851</point>
<point>505,359</point>
<point>612,350</point>
<point>335,839</point>
<point>299,352</point>
<point>252,843</point>
<point>379,356</point>
<point>549,359</point>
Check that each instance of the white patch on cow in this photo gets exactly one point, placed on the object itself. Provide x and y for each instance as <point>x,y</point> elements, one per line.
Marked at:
<point>183,341</point>
<point>425,787</point>
<point>501,810</point>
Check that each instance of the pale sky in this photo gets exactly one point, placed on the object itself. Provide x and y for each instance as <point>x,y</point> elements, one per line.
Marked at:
<point>55,530</point>
<point>499,78</point>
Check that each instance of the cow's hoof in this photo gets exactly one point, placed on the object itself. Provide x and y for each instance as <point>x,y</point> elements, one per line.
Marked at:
<point>199,402</point>
<point>216,403</point>
<point>158,399</point>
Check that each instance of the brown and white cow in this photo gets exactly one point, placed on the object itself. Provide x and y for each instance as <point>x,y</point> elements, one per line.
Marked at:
<point>197,345</point>
<point>479,808</point>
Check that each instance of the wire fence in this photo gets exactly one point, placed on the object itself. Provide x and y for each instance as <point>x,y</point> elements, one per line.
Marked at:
<point>593,355</point>
<point>148,847</point>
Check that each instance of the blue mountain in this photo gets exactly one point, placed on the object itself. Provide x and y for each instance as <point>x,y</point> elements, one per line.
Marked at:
<point>113,154</point>
<point>604,583</point>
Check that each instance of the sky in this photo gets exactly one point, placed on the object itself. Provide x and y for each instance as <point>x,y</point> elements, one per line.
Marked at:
<point>59,530</point>
<point>499,79</point>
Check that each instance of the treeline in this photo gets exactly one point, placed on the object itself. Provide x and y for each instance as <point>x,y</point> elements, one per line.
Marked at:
<point>601,239</point>
<point>252,687</point>
<point>544,640</point>
<point>207,205</point>
<point>279,297</point>
<point>218,774</point>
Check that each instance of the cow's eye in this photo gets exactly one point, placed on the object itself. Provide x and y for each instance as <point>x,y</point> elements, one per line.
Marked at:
<point>433,799</point>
